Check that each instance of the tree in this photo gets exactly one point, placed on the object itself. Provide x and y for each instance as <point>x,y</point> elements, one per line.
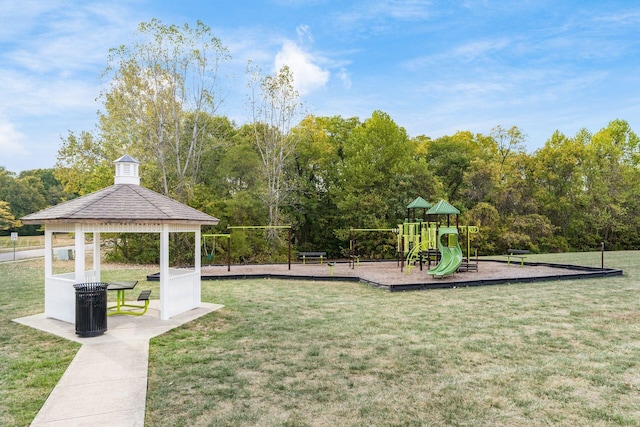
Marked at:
<point>376,159</point>
<point>7,220</point>
<point>610,176</point>
<point>450,157</point>
<point>82,165</point>
<point>318,156</point>
<point>22,196</point>
<point>557,170</point>
<point>52,190</point>
<point>509,142</point>
<point>275,106</point>
<point>163,93</point>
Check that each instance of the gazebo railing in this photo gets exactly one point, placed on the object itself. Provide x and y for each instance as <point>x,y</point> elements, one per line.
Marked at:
<point>183,291</point>
<point>59,295</point>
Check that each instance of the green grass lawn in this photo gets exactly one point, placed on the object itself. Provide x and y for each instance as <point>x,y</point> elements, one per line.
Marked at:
<point>295,353</point>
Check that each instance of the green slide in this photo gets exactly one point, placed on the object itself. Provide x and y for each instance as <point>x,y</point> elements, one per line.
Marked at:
<point>450,253</point>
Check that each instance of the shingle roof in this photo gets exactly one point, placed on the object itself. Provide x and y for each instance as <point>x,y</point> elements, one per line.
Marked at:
<point>121,203</point>
<point>126,159</point>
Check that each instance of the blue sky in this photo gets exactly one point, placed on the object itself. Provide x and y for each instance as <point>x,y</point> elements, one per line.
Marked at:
<point>434,66</point>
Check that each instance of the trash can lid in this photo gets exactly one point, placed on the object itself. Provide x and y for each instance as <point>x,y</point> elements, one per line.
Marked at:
<point>91,286</point>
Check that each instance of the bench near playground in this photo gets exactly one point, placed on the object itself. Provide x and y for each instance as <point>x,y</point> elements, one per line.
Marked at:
<point>517,253</point>
<point>309,256</point>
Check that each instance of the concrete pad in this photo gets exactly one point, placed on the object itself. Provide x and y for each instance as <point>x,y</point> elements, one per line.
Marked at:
<point>120,327</point>
<point>106,382</point>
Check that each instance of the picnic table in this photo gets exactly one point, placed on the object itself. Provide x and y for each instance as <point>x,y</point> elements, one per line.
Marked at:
<point>120,288</point>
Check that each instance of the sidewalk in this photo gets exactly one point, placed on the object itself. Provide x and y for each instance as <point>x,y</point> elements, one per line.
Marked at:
<point>106,382</point>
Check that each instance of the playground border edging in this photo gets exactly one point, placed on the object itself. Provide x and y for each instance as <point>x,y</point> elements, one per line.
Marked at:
<point>584,273</point>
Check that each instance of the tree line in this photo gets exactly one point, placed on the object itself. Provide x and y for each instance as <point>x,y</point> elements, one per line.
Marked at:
<point>325,175</point>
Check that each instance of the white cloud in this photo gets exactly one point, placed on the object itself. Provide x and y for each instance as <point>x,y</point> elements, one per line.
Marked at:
<point>11,140</point>
<point>307,75</point>
<point>345,77</point>
<point>304,33</point>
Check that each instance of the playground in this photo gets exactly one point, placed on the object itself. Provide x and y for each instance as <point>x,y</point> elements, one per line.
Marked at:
<point>432,251</point>
<point>387,275</point>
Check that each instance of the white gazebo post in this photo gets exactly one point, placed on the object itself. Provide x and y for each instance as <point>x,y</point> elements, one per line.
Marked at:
<point>198,265</point>
<point>81,275</point>
<point>48,253</point>
<point>96,256</point>
<point>164,272</point>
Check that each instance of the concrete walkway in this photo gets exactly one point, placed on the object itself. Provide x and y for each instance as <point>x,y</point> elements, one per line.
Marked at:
<point>106,382</point>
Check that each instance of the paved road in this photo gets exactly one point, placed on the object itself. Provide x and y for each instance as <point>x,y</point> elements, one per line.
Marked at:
<point>33,253</point>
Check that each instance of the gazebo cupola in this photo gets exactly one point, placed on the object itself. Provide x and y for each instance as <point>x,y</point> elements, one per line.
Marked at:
<point>127,170</point>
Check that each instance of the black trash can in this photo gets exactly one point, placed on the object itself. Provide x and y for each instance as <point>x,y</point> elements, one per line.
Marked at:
<point>91,308</point>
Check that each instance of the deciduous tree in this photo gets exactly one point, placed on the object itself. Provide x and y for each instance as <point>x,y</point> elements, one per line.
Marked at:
<point>275,108</point>
<point>163,93</point>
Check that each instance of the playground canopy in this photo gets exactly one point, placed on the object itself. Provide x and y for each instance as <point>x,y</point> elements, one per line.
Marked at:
<point>443,208</point>
<point>418,203</point>
<point>124,207</point>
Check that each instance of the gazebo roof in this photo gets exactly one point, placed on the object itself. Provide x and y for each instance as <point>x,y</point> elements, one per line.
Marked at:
<point>419,203</point>
<point>123,204</point>
<point>443,208</point>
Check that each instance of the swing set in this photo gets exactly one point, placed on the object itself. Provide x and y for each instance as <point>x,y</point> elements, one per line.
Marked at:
<point>210,254</point>
<point>245,227</point>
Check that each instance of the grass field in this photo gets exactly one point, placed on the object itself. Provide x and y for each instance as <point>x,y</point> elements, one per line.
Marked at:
<point>293,353</point>
<point>33,242</point>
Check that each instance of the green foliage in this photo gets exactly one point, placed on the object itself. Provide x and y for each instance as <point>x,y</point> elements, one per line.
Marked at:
<point>29,192</point>
<point>375,156</point>
<point>84,164</point>
<point>133,248</point>
<point>7,220</point>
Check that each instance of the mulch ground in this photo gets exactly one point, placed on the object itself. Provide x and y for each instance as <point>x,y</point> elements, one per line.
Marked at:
<point>388,273</point>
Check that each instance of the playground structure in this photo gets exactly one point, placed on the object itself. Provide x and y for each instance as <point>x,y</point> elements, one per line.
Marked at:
<point>424,239</point>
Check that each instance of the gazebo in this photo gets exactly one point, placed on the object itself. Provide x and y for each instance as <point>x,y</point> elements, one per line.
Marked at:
<point>124,207</point>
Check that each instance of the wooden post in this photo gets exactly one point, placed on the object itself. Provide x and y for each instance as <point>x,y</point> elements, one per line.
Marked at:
<point>402,255</point>
<point>229,252</point>
<point>289,238</point>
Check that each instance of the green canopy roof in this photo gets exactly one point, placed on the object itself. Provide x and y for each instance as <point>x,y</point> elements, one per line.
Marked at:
<point>419,203</point>
<point>443,208</point>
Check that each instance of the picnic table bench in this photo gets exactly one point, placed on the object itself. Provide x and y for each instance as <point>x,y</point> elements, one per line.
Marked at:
<point>304,256</point>
<point>517,253</point>
<point>120,288</point>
